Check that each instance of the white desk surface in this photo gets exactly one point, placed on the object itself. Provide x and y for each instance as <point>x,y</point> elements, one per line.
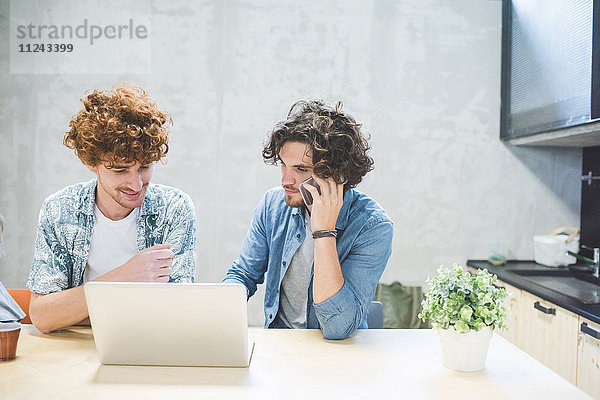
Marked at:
<point>402,364</point>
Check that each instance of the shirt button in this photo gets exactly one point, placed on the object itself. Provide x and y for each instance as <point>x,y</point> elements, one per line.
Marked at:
<point>283,263</point>
<point>270,316</point>
<point>298,236</point>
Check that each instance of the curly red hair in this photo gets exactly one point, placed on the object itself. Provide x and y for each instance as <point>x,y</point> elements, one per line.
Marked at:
<point>118,126</point>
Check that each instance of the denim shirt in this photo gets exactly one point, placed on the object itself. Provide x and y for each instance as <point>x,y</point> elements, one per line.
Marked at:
<point>66,225</point>
<point>364,245</point>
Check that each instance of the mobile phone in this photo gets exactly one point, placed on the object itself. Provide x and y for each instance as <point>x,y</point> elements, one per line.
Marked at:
<point>306,196</point>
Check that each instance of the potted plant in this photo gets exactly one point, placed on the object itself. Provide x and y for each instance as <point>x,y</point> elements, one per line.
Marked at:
<point>464,308</point>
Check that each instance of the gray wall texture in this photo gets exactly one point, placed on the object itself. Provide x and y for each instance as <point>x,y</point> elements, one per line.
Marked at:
<point>422,76</point>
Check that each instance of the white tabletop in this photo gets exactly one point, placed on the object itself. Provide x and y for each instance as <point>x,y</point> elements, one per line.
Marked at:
<point>286,364</point>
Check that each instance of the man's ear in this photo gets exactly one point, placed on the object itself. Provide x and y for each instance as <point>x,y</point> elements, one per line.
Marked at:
<point>93,169</point>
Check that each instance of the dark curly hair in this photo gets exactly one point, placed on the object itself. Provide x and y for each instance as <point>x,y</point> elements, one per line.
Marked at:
<point>118,126</point>
<point>338,144</point>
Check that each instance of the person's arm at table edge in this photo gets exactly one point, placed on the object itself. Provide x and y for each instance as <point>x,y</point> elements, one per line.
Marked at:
<point>250,267</point>
<point>53,307</point>
<point>50,306</point>
<point>52,311</point>
<point>341,315</point>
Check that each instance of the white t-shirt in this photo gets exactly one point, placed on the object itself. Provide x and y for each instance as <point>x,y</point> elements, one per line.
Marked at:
<point>293,299</point>
<point>113,243</point>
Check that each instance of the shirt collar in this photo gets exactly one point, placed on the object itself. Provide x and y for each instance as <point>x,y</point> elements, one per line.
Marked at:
<point>87,198</point>
<point>150,203</point>
<point>344,214</point>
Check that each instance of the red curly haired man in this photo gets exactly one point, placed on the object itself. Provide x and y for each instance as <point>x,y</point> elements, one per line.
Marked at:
<point>118,226</point>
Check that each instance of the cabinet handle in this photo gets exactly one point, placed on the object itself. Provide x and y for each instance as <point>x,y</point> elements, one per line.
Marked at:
<point>543,309</point>
<point>592,332</point>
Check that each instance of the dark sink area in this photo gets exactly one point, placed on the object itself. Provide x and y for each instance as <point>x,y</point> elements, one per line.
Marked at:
<point>538,272</point>
<point>581,286</point>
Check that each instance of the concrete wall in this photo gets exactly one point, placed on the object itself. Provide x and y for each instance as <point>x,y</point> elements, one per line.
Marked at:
<point>422,76</point>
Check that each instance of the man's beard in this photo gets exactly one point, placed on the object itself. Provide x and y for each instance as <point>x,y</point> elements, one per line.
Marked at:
<point>293,203</point>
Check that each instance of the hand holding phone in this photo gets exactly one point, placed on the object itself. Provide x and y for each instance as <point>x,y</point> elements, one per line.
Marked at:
<point>325,207</point>
<point>306,196</point>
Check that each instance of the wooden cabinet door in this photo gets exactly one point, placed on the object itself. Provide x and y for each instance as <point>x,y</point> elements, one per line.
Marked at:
<point>550,335</point>
<point>588,357</point>
<point>513,302</point>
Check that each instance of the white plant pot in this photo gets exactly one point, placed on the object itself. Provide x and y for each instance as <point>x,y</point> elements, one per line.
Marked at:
<point>465,351</point>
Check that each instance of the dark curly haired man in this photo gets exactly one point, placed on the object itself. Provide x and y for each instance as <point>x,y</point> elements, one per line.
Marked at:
<point>323,261</point>
<point>118,226</point>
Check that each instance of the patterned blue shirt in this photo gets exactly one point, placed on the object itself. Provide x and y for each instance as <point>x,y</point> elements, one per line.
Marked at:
<point>364,245</point>
<point>65,228</point>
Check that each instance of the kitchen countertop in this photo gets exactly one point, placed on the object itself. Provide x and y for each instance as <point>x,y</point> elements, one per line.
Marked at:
<point>589,311</point>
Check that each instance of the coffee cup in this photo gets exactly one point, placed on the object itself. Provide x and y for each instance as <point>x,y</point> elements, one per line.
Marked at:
<point>9,335</point>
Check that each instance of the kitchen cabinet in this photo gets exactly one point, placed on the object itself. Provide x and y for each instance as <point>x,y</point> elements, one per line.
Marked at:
<point>549,93</point>
<point>549,334</point>
<point>556,337</point>
<point>588,357</point>
<point>542,329</point>
<point>513,303</point>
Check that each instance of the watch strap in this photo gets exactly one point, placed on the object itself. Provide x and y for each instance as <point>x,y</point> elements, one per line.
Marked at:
<point>324,233</point>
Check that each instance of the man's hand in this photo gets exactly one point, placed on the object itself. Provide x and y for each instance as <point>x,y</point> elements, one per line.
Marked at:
<point>326,206</point>
<point>149,265</point>
<point>328,278</point>
<point>56,310</point>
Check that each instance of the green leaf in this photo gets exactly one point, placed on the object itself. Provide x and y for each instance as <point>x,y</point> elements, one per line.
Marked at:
<point>466,301</point>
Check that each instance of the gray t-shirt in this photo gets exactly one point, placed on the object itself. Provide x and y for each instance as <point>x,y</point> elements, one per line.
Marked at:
<point>293,301</point>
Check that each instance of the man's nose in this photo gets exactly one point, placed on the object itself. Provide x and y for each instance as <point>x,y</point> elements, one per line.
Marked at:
<point>286,177</point>
<point>135,181</point>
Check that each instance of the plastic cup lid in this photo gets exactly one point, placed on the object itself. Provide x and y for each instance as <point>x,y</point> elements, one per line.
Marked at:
<point>9,326</point>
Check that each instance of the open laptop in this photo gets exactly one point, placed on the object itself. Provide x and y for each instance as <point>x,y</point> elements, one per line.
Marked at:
<point>181,324</point>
